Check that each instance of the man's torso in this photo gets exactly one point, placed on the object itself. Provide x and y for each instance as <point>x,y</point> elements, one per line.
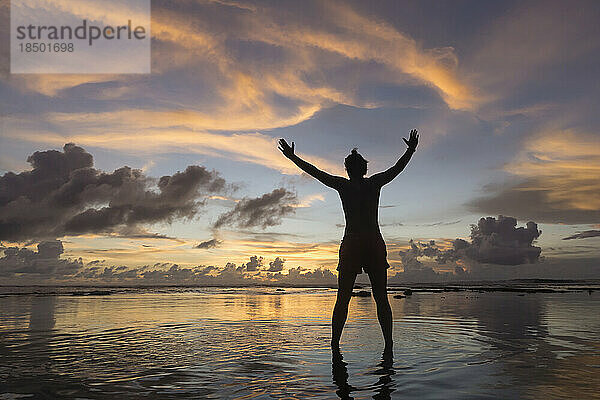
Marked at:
<point>360,201</point>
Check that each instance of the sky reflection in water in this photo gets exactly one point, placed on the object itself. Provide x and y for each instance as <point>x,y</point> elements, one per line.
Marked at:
<point>258,343</point>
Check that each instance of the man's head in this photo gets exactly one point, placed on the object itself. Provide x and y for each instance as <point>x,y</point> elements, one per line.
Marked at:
<point>356,165</point>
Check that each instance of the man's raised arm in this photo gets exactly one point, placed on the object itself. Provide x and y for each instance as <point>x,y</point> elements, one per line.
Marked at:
<point>385,177</point>
<point>330,180</point>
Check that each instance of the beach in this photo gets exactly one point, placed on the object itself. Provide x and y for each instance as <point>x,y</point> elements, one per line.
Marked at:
<point>270,343</point>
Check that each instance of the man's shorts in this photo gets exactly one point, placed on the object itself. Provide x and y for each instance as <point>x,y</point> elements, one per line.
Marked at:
<point>360,251</point>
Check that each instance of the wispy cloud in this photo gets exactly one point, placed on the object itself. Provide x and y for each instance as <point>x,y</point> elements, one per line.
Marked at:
<point>236,70</point>
<point>583,235</point>
<point>255,148</point>
<point>557,175</point>
<point>309,200</point>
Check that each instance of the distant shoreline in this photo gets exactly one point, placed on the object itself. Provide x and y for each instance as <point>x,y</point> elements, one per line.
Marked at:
<point>512,286</point>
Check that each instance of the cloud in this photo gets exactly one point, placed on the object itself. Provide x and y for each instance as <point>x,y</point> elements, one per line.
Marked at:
<point>529,38</point>
<point>208,244</point>
<point>64,194</point>
<point>276,265</point>
<point>410,257</point>
<point>254,264</point>
<point>583,235</point>
<point>270,52</point>
<point>309,200</point>
<point>137,232</point>
<point>499,241</point>
<point>494,244</point>
<point>110,273</point>
<point>264,211</point>
<point>300,276</point>
<point>364,39</point>
<point>493,241</point>
<point>230,274</point>
<point>46,261</point>
<point>558,173</point>
<point>151,137</point>
<point>443,223</point>
<point>221,73</point>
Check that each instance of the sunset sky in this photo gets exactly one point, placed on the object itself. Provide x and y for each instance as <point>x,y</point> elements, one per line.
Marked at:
<point>505,96</point>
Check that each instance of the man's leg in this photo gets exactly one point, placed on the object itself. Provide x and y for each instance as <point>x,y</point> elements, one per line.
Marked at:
<point>384,311</point>
<point>340,311</point>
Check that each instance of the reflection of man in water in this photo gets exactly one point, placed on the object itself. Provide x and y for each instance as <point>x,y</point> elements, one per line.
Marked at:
<point>362,246</point>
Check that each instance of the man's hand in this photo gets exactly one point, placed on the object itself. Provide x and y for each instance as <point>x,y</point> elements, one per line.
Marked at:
<point>286,149</point>
<point>411,142</point>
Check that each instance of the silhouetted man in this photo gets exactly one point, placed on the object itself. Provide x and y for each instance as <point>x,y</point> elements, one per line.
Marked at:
<point>362,246</point>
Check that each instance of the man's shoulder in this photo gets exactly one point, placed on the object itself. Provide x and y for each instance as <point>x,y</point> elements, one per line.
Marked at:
<point>341,181</point>
<point>373,181</point>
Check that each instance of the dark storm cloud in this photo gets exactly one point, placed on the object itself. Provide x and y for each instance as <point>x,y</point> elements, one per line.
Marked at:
<point>266,210</point>
<point>45,261</point>
<point>583,235</point>
<point>208,244</point>
<point>64,194</point>
<point>493,241</point>
<point>276,265</point>
<point>499,241</point>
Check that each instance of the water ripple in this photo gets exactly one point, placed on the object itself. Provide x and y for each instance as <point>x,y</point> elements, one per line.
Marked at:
<point>250,344</point>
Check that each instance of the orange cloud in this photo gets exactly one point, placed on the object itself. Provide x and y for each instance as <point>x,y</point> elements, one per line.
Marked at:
<point>254,148</point>
<point>558,173</point>
<point>243,96</point>
<point>565,165</point>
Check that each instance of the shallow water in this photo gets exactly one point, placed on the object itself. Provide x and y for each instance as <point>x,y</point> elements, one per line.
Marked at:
<point>261,343</point>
